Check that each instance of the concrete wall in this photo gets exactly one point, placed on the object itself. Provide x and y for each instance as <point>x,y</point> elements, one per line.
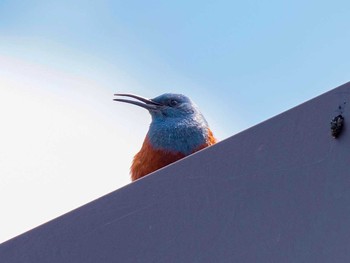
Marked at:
<point>278,192</point>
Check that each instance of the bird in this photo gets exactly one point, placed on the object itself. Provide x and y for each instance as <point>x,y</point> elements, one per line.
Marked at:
<point>177,130</point>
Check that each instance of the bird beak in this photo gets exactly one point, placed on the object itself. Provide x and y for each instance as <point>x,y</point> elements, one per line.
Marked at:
<point>142,102</point>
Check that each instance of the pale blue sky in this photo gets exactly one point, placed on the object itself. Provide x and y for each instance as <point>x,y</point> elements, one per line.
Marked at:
<point>65,141</point>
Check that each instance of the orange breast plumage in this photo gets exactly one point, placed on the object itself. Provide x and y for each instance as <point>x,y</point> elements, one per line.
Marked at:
<point>148,159</point>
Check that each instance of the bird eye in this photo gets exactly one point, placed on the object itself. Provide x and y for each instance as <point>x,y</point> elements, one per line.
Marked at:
<point>173,103</point>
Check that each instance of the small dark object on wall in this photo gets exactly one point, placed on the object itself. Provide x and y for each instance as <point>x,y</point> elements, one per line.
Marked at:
<point>337,124</point>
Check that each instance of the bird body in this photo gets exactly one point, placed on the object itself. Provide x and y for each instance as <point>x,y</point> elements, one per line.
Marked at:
<point>149,159</point>
<point>177,129</point>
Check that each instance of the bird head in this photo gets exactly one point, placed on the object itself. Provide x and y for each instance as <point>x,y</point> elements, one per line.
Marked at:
<point>177,124</point>
<point>166,106</point>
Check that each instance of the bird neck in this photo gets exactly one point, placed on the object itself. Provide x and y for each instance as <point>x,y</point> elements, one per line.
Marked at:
<point>179,135</point>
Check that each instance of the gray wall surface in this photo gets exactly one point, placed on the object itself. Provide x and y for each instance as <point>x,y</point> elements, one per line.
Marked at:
<point>277,192</point>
